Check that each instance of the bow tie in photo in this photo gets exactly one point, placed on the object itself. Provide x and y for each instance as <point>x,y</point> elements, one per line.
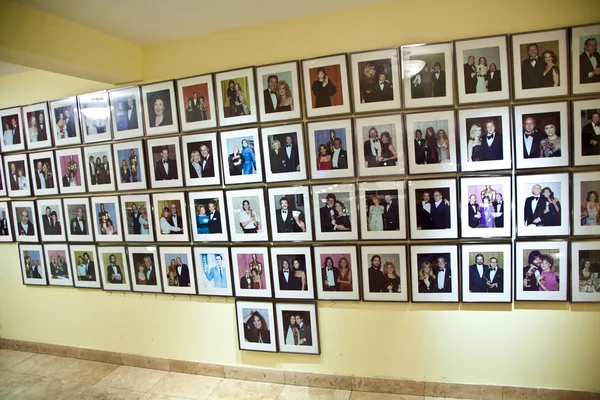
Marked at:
<point>288,145</point>
<point>272,91</point>
<point>375,140</point>
<point>536,197</point>
<point>492,269</point>
<point>442,269</point>
<point>533,59</point>
<point>165,162</point>
<point>489,136</point>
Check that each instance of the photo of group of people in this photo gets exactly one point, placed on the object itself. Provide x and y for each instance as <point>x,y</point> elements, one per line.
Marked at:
<point>433,208</point>
<point>336,274</point>
<point>430,80</point>
<point>277,95</point>
<point>201,160</point>
<point>382,210</point>
<point>433,146</point>
<point>70,169</point>
<point>5,224</point>
<point>290,215</point>
<point>59,268</point>
<point>486,206</point>
<point>107,218</point>
<point>485,75</point>
<point>486,273</point>
<point>284,155</point>
<point>484,142</point>
<point>542,271</point>
<point>291,272</point>
<point>100,171</point>
<point>435,274</point>
<point>331,150</point>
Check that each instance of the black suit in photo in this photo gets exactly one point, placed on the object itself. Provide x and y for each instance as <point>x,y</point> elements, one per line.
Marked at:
<point>535,145</point>
<point>76,228</point>
<point>291,162</point>
<point>377,282</point>
<point>27,230</point>
<point>38,180</point>
<point>289,225</point>
<point>137,227</point>
<point>71,132</point>
<point>586,67</point>
<point>161,174</point>
<point>4,229</point>
<point>531,215</point>
<point>336,275</point>
<point>498,278</point>
<point>477,284</point>
<point>177,222</point>
<point>47,224</point>
<point>440,215</point>
<point>151,280</point>
<point>214,222</point>
<point>244,284</point>
<point>184,278</point>
<point>447,287</point>
<point>470,82</point>
<point>473,222</point>
<point>499,220</point>
<point>42,135</point>
<point>383,94</point>
<point>439,84</point>
<point>494,83</point>
<point>132,123</point>
<point>283,284</point>
<point>420,151</point>
<point>268,102</point>
<point>208,167</point>
<point>531,75</point>
<point>424,219</point>
<point>66,180</point>
<point>587,135</point>
<point>326,217</point>
<point>391,217</point>
<point>305,333</point>
<point>342,160</point>
<point>493,151</point>
<point>14,181</point>
<point>91,271</point>
<point>110,272</point>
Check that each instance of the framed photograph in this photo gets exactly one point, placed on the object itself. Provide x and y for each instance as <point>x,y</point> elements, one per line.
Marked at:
<point>178,270</point>
<point>482,69</point>
<point>64,116</point>
<point>32,264</point>
<point>433,209</point>
<point>326,90</point>
<point>297,328</point>
<point>24,218</point>
<point>169,212</point>
<point>84,260</point>
<point>542,135</point>
<point>585,59</point>
<point>137,218</point>
<point>38,133</point>
<point>3,183</point>
<point>17,175</point>
<point>197,103</point>
<point>586,186</point>
<point>202,158</point>
<point>45,178</point>
<point>160,108</point>
<point>431,274</point>
<point>485,139</point>
<point>586,132</point>
<point>431,142</point>
<point>376,80</point>
<point>51,216</point>
<point>543,207</point>
<point>107,219</point>
<point>131,165</point>
<point>95,117</point>
<point>144,269</point>
<point>70,167</point>
<point>336,207</point>
<point>12,130</point>
<point>78,215</point>
<point>126,106</point>
<point>99,168</point>
<point>210,216</point>
<point>241,149</point>
<point>247,215</point>
<point>382,152</point>
<point>384,273</point>
<point>58,267</point>
<point>251,271</point>
<point>256,326</point>
<point>486,273</point>
<point>213,271</point>
<point>427,75</point>
<point>292,273</point>
<point>284,153</point>
<point>540,64</point>
<point>164,157</point>
<point>279,92</point>
<point>236,97</point>
<point>330,145</point>
<point>113,268</point>
<point>382,206</point>
<point>538,270</point>
<point>289,209</point>
<point>336,271</point>
<point>585,269</point>
<point>486,207</point>
<point>6,234</point>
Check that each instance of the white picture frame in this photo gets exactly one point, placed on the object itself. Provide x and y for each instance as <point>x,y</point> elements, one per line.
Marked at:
<point>481,287</point>
<point>3,182</point>
<point>378,289</point>
<point>6,226</point>
<point>107,209</point>
<point>159,100</point>
<point>71,208</point>
<point>420,226</point>
<point>126,125</point>
<point>473,227</point>
<point>325,133</point>
<point>134,178</point>
<point>70,164</point>
<point>393,217</point>
<point>584,112</point>
<point>235,207</point>
<point>213,271</point>
<point>87,273</point>
<point>288,73</point>
<point>558,249</point>
<point>34,253</point>
<point>151,269</point>
<point>235,173</point>
<point>37,138</point>
<point>137,231</point>
<point>59,279</point>
<point>160,201</point>
<point>584,183</point>
<point>295,287</point>
<point>25,230</point>
<point>95,112</point>
<point>585,290</point>
<point>247,338</point>
<point>337,67</point>
<point>251,259</point>
<point>48,232</point>
<point>66,130</point>
<point>368,154</point>
<point>46,158</point>
<point>346,225</point>
<point>97,177</point>
<point>216,229</point>
<point>309,330</point>
<point>22,186</point>
<point>322,254</point>
<point>419,256</point>
<point>14,140</point>
<point>208,166</point>
<point>183,253</point>
<point>298,226</point>
<point>200,116</point>
<point>579,35</point>
<point>244,113</point>
<point>283,167</point>
<point>118,280</point>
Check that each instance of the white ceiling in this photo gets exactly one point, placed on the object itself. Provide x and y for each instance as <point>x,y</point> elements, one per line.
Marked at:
<point>147,22</point>
<point>9,69</point>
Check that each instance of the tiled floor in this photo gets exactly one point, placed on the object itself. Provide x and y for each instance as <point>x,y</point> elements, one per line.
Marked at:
<point>37,376</point>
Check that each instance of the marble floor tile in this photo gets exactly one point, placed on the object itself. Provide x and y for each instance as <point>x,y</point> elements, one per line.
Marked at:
<point>85,371</point>
<point>382,396</point>
<point>10,358</point>
<point>290,392</point>
<point>186,386</point>
<point>106,393</point>
<point>154,396</point>
<point>232,389</point>
<point>54,389</point>
<point>43,365</point>
<point>132,378</point>
<point>13,384</point>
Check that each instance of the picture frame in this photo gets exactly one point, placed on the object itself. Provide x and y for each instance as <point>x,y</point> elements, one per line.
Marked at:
<point>586,114</point>
<point>290,214</point>
<point>586,218</point>
<point>474,127</point>
<point>528,79</point>
<point>426,266</point>
<point>179,277</point>
<point>196,103</point>
<point>439,224</point>
<point>527,257</point>
<point>101,175</point>
<point>323,136</point>
<point>255,217</point>
<point>583,78</point>
<point>107,219</point>
<point>44,178</point>
<point>169,229</point>
<point>421,127</point>
<point>307,341</point>
<point>237,106</point>
<point>3,182</point>
<point>201,154</point>
<point>376,80</point>
<point>18,183</point>
<point>126,112</point>
<point>388,216</point>
<point>33,269</point>
<point>64,115</point>
<point>297,283</point>
<point>211,224</point>
<point>51,229</point>
<point>378,158</point>
<point>477,83</point>
<point>38,133</point>
<point>79,216</point>
<point>377,264</point>
<point>160,108</point>
<point>333,96</point>
<point>58,266</point>
<point>131,163</point>
<point>555,222</point>
<point>336,209</point>
<point>24,220</point>
<point>584,272</point>
<point>144,269</point>
<point>114,270</point>
<point>6,227</point>
<point>346,286</point>
<point>481,283</point>
<point>553,119</point>
<point>164,159</point>
<point>243,166</point>
<point>284,80</point>
<point>283,163</point>
<point>478,220</point>
<point>249,315</point>
<point>137,224</point>
<point>95,112</point>
<point>213,271</point>
<point>12,129</point>
<point>86,273</point>
<point>251,272</point>
<point>70,165</point>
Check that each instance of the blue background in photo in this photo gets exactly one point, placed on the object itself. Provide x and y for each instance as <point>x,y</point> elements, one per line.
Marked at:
<point>322,137</point>
<point>112,212</point>
<point>124,155</point>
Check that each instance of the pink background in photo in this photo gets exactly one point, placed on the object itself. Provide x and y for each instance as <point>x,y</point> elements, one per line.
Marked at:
<point>476,190</point>
<point>336,260</point>
<point>64,160</point>
<point>54,253</point>
<point>244,261</point>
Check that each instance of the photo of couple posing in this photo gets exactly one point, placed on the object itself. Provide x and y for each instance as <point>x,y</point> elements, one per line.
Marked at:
<point>278,95</point>
<point>486,278</point>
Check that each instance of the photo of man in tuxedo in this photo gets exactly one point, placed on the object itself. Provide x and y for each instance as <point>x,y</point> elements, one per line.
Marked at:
<point>491,143</point>
<point>590,137</point>
<point>47,221</point>
<point>589,62</point>
<point>149,270</point>
<point>25,225</point>
<point>41,127</point>
<point>532,139</point>
<point>470,74</point>
<point>4,225</point>
<point>330,275</point>
<point>532,271</point>
<point>327,214</point>
<point>113,271</point>
<point>478,275</point>
<point>183,273</point>
<point>285,276</point>
<point>291,155</point>
<point>214,219</point>
<point>493,79</point>
<point>132,117</point>
<point>420,146</point>
<point>207,162</point>
<point>339,156</point>
<point>535,206</point>
<point>383,89</point>
<point>79,224</point>
<point>495,278</point>
<point>372,149</point>
<point>377,282</point>
<point>498,205</point>
<point>443,279</point>
<point>440,211</point>
<point>391,216</point>
<point>532,68</point>
<point>424,220</point>
<point>175,219</point>
<point>246,280</point>
<point>134,217</point>
<point>474,214</point>
<point>165,168</point>
<point>13,177</point>
<point>69,123</point>
<point>288,220</point>
<point>439,80</point>
<point>90,268</point>
<point>305,335</point>
<point>270,94</point>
